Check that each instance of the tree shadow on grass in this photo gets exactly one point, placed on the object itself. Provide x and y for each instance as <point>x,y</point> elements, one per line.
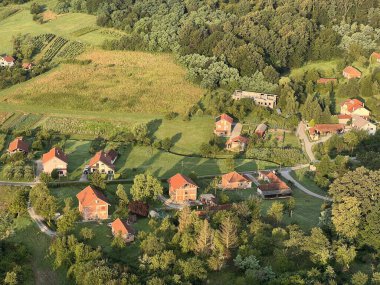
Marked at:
<point>78,156</point>
<point>124,152</point>
<point>153,126</point>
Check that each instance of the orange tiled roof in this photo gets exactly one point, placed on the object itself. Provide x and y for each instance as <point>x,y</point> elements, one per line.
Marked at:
<point>324,128</point>
<point>54,152</point>
<point>8,58</point>
<point>18,143</point>
<point>234,177</point>
<point>353,104</point>
<point>88,196</point>
<point>225,117</point>
<point>275,182</point>
<point>352,71</point>
<point>121,227</point>
<point>237,139</point>
<point>376,55</point>
<point>102,157</point>
<point>179,180</point>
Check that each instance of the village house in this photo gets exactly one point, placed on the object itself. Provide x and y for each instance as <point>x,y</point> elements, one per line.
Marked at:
<point>271,186</point>
<point>325,129</point>
<point>208,199</point>
<point>93,205</point>
<point>182,188</point>
<point>351,72</point>
<point>6,60</point>
<point>237,143</point>
<point>325,81</point>
<point>121,228</point>
<point>344,119</point>
<point>102,163</point>
<point>261,130</point>
<point>18,145</point>
<point>360,123</point>
<point>234,180</point>
<point>27,65</point>
<point>223,125</point>
<point>376,56</point>
<point>260,99</point>
<point>55,159</point>
<point>354,107</point>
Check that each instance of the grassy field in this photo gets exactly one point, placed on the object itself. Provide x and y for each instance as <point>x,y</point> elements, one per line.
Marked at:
<point>114,81</point>
<point>65,25</point>
<point>326,68</point>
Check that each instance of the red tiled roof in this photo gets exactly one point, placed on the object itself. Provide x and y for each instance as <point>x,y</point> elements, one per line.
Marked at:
<point>234,177</point>
<point>352,71</point>
<point>27,65</point>
<point>237,139</point>
<point>102,157</point>
<point>326,80</point>
<point>352,104</point>
<point>225,117</point>
<point>341,117</point>
<point>275,182</point>
<point>88,196</point>
<point>376,55</point>
<point>18,143</point>
<point>179,180</point>
<point>8,58</point>
<point>54,152</point>
<point>121,227</point>
<point>325,128</point>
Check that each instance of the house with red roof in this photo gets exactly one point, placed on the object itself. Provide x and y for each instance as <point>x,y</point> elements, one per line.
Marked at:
<point>234,180</point>
<point>223,125</point>
<point>7,60</point>
<point>376,56</point>
<point>101,162</point>
<point>93,205</point>
<point>18,145</point>
<point>325,129</point>
<point>271,186</point>
<point>27,65</point>
<point>55,159</point>
<point>237,143</point>
<point>182,188</point>
<point>351,72</point>
<point>325,81</point>
<point>354,107</point>
<point>121,228</point>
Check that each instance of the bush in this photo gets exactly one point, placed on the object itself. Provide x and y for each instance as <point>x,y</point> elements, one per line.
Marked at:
<point>117,176</point>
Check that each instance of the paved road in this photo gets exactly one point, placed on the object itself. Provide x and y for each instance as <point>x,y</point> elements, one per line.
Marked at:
<point>40,223</point>
<point>10,183</point>
<point>308,145</point>
<point>286,173</point>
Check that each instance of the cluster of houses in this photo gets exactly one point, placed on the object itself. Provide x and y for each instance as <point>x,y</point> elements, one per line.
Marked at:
<point>9,61</point>
<point>353,115</point>
<point>57,160</point>
<point>225,127</point>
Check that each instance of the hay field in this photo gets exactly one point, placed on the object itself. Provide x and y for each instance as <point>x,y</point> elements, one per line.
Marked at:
<point>114,81</point>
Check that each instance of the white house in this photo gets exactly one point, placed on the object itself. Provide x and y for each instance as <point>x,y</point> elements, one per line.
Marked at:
<point>6,60</point>
<point>362,124</point>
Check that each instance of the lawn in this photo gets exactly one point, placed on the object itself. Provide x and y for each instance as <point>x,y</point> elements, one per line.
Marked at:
<point>63,25</point>
<point>115,81</point>
<point>326,68</point>
<point>301,176</point>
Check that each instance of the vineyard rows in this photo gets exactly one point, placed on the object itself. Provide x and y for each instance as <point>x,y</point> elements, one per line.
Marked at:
<point>71,50</point>
<point>55,47</point>
<point>43,40</point>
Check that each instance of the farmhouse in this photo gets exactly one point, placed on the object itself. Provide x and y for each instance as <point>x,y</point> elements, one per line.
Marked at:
<point>261,130</point>
<point>93,205</point>
<point>102,163</point>
<point>360,123</point>
<point>6,60</point>
<point>354,107</point>
<point>272,186</point>
<point>351,72</point>
<point>376,56</point>
<point>18,145</point>
<point>237,143</point>
<point>234,180</point>
<point>261,99</point>
<point>344,119</point>
<point>182,188</point>
<point>325,129</point>
<point>223,125</point>
<point>121,228</point>
<point>55,159</point>
<point>325,81</point>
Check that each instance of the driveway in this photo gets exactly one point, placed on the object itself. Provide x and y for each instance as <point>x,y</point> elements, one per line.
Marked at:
<point>40,223</point>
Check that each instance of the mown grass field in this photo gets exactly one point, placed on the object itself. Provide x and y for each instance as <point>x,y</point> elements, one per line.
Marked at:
<point>115,81</point>
<point>65,25</point>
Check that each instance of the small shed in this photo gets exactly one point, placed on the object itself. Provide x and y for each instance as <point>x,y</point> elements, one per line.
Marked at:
<point>261,130</point>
